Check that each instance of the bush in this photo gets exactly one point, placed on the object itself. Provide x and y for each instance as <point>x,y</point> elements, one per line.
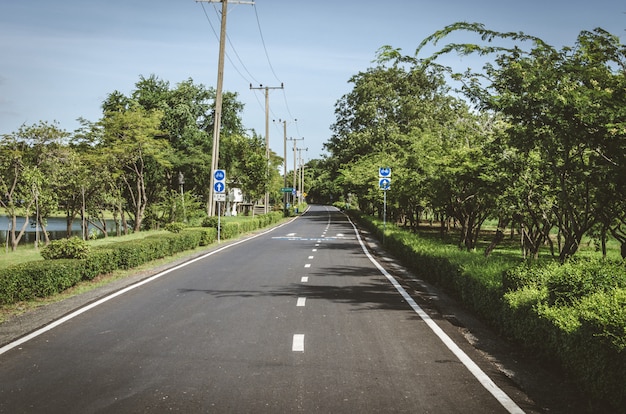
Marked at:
<point>175,227</point>
<point>576,279</point>
<point>38,279</point>
<point>72,248</point>
<point>208,236</point>
<point>574,313</point>
<point>210,222</point>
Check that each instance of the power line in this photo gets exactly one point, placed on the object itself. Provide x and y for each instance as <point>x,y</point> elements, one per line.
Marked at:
<point>263,42</point>
<point>231,45</point>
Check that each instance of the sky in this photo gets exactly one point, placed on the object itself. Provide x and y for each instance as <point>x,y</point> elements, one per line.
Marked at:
<point>59,60</point>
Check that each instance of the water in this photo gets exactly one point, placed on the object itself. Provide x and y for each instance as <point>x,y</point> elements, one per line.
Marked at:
<point>56,228</point>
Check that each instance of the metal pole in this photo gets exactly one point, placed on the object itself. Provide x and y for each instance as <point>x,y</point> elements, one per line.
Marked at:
<point>384,215</point>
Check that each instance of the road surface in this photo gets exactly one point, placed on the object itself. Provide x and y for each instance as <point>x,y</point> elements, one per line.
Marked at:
<point>297,319</point>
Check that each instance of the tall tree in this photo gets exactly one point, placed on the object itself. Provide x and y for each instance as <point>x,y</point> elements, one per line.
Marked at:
<point>565,105</point>
<point>132,140</point>
<point>22,178</point>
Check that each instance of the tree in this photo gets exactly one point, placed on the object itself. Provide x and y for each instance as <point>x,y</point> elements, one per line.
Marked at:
<point>22,177</point>
<point>131,138</point>
<point>566,106</point>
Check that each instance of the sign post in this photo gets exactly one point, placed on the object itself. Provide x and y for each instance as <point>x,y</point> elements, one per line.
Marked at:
<point>384,183</point>
<point>219,192</point>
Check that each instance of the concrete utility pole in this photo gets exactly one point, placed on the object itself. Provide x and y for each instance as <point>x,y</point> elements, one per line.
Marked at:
<point>267,136</point>
<point>218,96</point>
<point>300,194</point>
<point>295,166</point>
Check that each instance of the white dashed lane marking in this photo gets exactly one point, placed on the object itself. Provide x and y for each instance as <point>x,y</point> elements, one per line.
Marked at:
<point>301,302</point>
<point>304,279</point>
<point>298,343</point>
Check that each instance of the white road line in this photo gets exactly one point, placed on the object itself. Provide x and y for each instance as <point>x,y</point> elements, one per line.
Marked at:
<point>301,302</point>
<point>304,279</point>
<point>311,257</point>
<point>84,309</point>
<point>480,375</point>
<point>298,343</point>
<point>307,265</point>
<point>314,250</point>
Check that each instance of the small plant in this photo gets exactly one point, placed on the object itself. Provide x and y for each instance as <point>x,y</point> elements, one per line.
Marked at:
<point>72,248</point>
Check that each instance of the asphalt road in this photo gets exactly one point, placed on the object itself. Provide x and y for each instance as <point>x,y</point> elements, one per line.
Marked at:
<point>297,319</point>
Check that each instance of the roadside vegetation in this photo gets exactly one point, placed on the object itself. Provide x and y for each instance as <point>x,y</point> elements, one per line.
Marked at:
<point>529,149</point>
<point>508,186</point>
<point>572,316</point>
<point>69,266</point>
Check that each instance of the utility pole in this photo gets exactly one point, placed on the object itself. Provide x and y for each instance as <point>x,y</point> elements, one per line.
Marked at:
<point>300,197</point>
<point>267,138</point>
<point>218,96</point>
<point>285,196</point>
<point>294,165</point>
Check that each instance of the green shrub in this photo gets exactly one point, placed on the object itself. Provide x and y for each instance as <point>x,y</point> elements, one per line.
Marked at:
<point>574,314</point>
<point>208,236</point>
<point>210,222</point>
<point>175,227</point>
<point>72,248</point>
<point>230,230</point>
<point>38,279</point>
<point>578,278</point>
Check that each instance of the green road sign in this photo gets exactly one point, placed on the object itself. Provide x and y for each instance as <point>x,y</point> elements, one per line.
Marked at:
<point>286,190</point>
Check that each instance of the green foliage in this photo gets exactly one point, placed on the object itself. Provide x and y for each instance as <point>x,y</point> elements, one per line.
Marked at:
<point>573,314</point>
<point>38,279</point>
<point>72,248</point>
<point>208,236</point>
<point>210,222</point>
<point>175,227</point>
<point>577,279</point>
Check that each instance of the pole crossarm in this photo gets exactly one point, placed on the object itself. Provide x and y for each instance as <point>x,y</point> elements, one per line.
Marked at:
<point>229,1</point>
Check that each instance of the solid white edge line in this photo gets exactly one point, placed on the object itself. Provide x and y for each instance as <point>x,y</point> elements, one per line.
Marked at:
<point>480,375</point>
<point>92,305</point>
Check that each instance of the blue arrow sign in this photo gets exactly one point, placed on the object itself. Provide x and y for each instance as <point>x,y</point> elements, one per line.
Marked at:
<point>384,172</point>
<point>384,183</point>
<point>219,187</point>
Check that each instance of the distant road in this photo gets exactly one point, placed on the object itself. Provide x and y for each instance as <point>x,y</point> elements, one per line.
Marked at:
<point>297,319</point>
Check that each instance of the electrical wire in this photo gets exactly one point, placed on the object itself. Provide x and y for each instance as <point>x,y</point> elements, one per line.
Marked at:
<point>237,54</point>
<point>235,67</point>
<point>226,53</point>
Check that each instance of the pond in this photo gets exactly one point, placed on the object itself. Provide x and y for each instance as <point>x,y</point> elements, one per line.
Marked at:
<point>56,228</point>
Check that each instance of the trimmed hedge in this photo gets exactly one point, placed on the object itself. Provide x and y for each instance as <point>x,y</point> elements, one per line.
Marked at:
<point>574,313</point>
<point>47,277</point>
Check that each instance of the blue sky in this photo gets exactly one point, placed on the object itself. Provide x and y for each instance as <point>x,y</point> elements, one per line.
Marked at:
<point>60,59</point>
